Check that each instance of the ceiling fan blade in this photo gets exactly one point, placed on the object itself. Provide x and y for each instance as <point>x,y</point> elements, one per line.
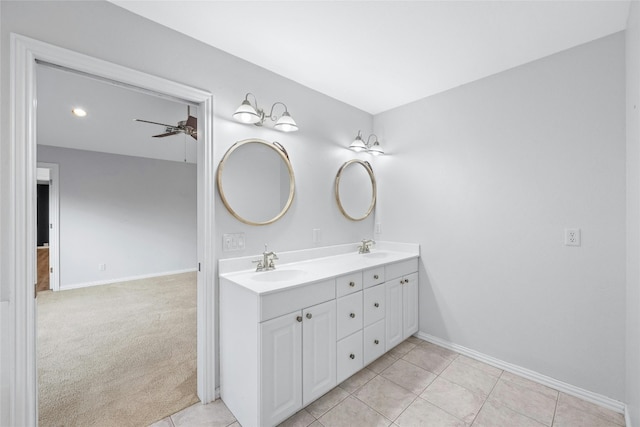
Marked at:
<point>162,135</point>
<point>155,123</point>
<point>192,122</point>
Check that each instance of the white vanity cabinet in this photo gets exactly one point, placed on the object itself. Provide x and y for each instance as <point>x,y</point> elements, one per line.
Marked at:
<point>283,346</point>
<point>293,374</point>
<point>401,289</point>
<point>272,366</point>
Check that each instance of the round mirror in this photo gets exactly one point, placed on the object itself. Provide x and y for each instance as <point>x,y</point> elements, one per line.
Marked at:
<point>255,181</point>
<point>356,189</point>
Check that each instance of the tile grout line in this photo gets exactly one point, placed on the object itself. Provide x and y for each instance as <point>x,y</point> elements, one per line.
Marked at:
<point>555,410</point>
<point>486,399</point>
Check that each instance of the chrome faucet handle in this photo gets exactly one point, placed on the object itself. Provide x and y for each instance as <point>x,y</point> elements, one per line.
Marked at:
<point>260,265</point>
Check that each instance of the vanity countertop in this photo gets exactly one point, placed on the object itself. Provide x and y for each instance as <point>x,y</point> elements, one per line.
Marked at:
<point>305,271</point>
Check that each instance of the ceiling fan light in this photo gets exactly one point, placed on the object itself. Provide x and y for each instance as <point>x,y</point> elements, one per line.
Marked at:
<point>286,123</point>
<point>246,113</point>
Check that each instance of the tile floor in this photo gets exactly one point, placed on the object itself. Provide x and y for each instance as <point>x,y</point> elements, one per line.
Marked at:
<point>421,384</point>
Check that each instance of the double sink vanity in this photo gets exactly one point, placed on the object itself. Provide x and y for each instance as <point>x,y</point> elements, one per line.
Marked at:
<point>290,334</point>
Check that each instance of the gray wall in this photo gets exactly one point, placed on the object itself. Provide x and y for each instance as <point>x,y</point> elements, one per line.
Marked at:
<point>136,215</point>
<point>110,33</point>
<point>486,177</point>
<point>633,213</point>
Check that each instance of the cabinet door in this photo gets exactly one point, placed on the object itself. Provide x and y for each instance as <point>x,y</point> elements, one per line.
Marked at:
<point>393,319</point>
<point>373,342</point>
<point>349,356</point>
<point>280,367</point>
<point>374,304</point>
<point>349,313</point>
<point>410,305</point>
<point>319,350</point>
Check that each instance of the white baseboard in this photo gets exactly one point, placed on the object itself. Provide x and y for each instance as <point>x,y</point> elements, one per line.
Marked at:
<point>124,279</point>
<point>572,390</point>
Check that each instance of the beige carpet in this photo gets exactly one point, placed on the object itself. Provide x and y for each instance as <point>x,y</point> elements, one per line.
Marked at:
<point>117,355</point>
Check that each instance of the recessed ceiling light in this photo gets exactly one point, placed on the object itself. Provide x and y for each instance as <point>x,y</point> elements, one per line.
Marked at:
<point>79,112</point>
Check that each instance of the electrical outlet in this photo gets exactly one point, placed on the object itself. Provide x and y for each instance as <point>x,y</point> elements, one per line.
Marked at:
<point>572,237</point>
<point>316,235</point>
<point>102,267</point>
<point>378,228</point>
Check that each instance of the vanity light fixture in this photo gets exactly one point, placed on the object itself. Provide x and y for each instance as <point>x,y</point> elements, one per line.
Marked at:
<point>79,112</point>
<point>374,147</point>
<point>252,114</point>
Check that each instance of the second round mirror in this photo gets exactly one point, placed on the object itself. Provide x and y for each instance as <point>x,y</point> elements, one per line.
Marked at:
<point>356,189</point>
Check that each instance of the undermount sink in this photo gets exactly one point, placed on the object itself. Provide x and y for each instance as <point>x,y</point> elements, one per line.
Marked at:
<point>278,275</point>
<point>376,255</point>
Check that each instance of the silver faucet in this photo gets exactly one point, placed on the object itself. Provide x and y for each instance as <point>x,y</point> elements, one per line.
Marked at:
<point>365,246</point>
<point>267,261</point>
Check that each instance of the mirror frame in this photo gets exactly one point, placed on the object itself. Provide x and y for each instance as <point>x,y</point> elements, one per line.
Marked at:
<point>367,166</point>
<point>278,148</point>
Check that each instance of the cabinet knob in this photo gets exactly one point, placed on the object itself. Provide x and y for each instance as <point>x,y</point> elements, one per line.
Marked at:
<point>352,356</point>
<point>376,305</point>
<point>375,276</point>
<point>402,282</point>
<point>309,316</point>
<point>352,284</point>
<point>376,342</point>
<point>406,280</point>
<point>299,318</point>
<point>352,315</point>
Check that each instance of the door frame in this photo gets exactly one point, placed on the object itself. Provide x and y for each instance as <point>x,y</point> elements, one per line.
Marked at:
<point>21,188</point>
<point>54,223</point>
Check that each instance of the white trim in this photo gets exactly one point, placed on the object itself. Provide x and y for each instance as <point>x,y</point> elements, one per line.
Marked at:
<point>598,399</point>
<point>124,279</point>
<point>54,220</point>
<point>627,416</point>
<point>19,193</point>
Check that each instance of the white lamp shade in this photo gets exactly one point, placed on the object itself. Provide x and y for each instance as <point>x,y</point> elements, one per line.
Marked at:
<point>246,113</point>
<point>358,144</point>
<point>376,149</point>
<point>286,123</point>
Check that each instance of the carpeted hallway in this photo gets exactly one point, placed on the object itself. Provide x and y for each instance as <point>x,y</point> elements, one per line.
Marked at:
<point>117,355</point>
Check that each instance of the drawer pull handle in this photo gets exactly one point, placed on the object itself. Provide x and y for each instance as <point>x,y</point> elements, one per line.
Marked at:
<point>299,318</point>
<point>352,356</point>
<point>352,315</point>
<point>376,342</point>
<point>352,284</point>
<point>376,305</point>
<point>309,316</point>
<point>375,276</point>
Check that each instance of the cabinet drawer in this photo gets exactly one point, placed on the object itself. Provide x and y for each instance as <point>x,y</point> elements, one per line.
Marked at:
<point>401,268</point>
<point>349,312</point>
<point>287,301</point>
<point>373,342</point>
<point>348,284</point>
<point>349,356</point>
<point>374,304</point>
<point>373,276</point>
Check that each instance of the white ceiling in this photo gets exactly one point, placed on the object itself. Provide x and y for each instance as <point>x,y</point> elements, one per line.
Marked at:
<point>109,126</point>
<point>377,55</point>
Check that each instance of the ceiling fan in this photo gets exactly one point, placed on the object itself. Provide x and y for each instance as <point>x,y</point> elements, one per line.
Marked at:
<point>189,126</point>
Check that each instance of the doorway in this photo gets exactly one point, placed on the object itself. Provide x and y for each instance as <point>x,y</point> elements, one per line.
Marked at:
<point>47,225</point>
<point>25,53</point>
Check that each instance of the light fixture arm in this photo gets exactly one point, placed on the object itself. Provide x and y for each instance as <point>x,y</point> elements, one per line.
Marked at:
<point>271,116</point>
<point>370,144</point>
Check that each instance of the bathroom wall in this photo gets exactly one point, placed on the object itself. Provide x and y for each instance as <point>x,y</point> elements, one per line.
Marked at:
<point>633,214</point>
<point>105,31</point>
<point>486,177</point>
<point>135,215</point>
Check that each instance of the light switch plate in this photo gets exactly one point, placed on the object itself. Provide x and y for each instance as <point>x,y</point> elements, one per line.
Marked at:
<point>233,242</point>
